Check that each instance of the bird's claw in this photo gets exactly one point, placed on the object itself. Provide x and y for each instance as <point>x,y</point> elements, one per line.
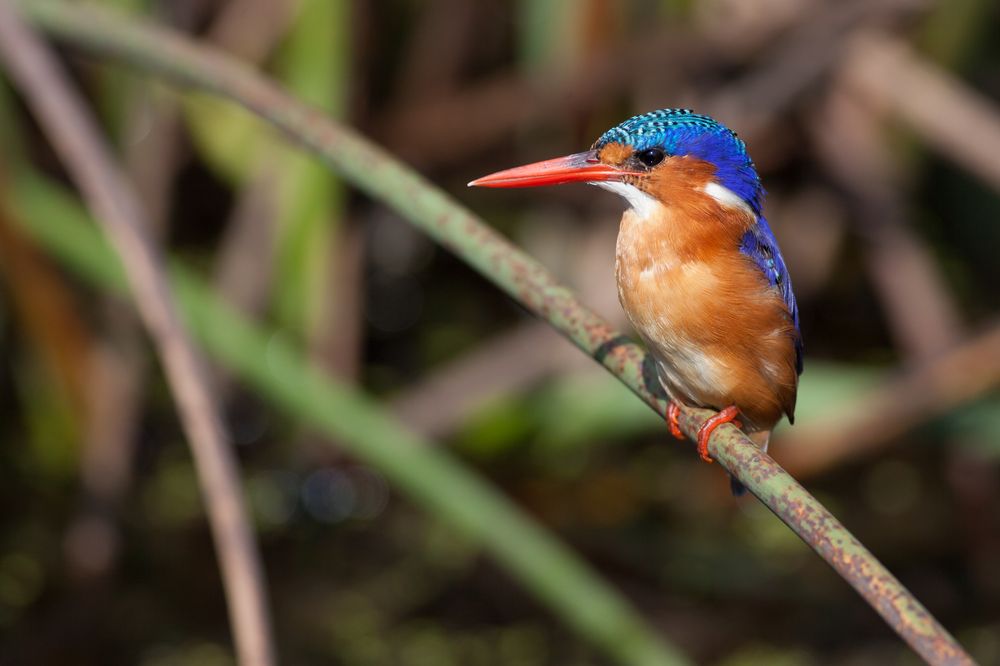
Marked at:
<point>673,416</point>
<point>727,415</point>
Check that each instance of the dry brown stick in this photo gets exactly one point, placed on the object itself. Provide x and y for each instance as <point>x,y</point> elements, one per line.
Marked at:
<point>74,134</point>
<point>811,49</point>
<point>244,262</point>
<point>119,367</point>
<point>921,313</point>
<point>950,116</point>
<point>249,29</point>
<point>436,51</point>
<point>889,411</point>
<point>443,401</point>
<point>433,131</point>
<point>339,345</point>
<point>438,130</point>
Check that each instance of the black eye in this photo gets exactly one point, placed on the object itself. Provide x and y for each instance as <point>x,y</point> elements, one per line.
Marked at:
<point>651,156</point>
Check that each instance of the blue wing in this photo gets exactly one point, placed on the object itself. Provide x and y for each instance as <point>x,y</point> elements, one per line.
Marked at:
<point>760,245</point>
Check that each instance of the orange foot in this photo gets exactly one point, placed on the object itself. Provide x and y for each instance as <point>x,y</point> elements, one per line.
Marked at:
<point>673,414</point>
<point>727,415</point>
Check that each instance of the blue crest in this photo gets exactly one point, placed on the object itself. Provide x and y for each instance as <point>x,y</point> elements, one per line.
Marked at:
<point>684,132</point>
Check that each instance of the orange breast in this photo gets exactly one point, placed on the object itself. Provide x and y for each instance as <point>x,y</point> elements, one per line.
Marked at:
<point>720,333</point>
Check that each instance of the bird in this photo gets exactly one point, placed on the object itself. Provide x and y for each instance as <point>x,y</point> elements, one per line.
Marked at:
<point>699,272</point>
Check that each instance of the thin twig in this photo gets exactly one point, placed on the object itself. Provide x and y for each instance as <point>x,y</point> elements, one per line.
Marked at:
<point>437,405</point>
<point>436,129</point>
<point>76,137</point>
<point>249,29</point>
<point>244,263</point>
<point>119,368</point>
<point>901,404</point>
<point>376,173</point>
<point>801,58</point>
<point>441,402</point>
<point>923,316</point>
<point>950,116</point>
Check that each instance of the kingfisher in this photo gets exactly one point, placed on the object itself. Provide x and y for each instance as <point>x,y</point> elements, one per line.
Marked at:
<point>699,272</point>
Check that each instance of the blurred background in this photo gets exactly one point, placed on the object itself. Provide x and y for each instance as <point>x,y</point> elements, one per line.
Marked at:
<point>875,125</point>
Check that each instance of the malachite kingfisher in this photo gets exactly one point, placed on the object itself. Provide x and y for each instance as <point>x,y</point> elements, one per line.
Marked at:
<point>699,272</point>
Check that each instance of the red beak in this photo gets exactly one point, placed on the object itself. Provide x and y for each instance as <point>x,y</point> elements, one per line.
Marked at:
<point>578,168</point>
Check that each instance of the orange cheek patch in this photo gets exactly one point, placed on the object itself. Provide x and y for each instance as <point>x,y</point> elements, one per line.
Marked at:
<point>685,172</point>
<point>614,153</point>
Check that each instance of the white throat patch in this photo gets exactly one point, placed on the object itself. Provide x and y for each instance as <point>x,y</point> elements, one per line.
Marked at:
<point>644,205</point>
<point>726,197</point>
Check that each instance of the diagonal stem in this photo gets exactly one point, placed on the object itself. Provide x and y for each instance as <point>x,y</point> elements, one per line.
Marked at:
<point>382,177</point>
<point>116,206</point>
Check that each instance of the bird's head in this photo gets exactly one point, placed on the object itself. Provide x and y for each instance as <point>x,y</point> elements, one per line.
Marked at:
<point>653,157</point>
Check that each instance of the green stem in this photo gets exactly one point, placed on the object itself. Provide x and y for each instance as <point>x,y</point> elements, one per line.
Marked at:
<point>377,173</point>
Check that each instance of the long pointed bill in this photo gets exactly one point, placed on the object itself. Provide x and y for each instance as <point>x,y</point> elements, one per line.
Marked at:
<point>578,168</point>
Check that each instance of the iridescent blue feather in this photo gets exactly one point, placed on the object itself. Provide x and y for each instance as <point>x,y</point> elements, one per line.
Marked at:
<point>761,246</point>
